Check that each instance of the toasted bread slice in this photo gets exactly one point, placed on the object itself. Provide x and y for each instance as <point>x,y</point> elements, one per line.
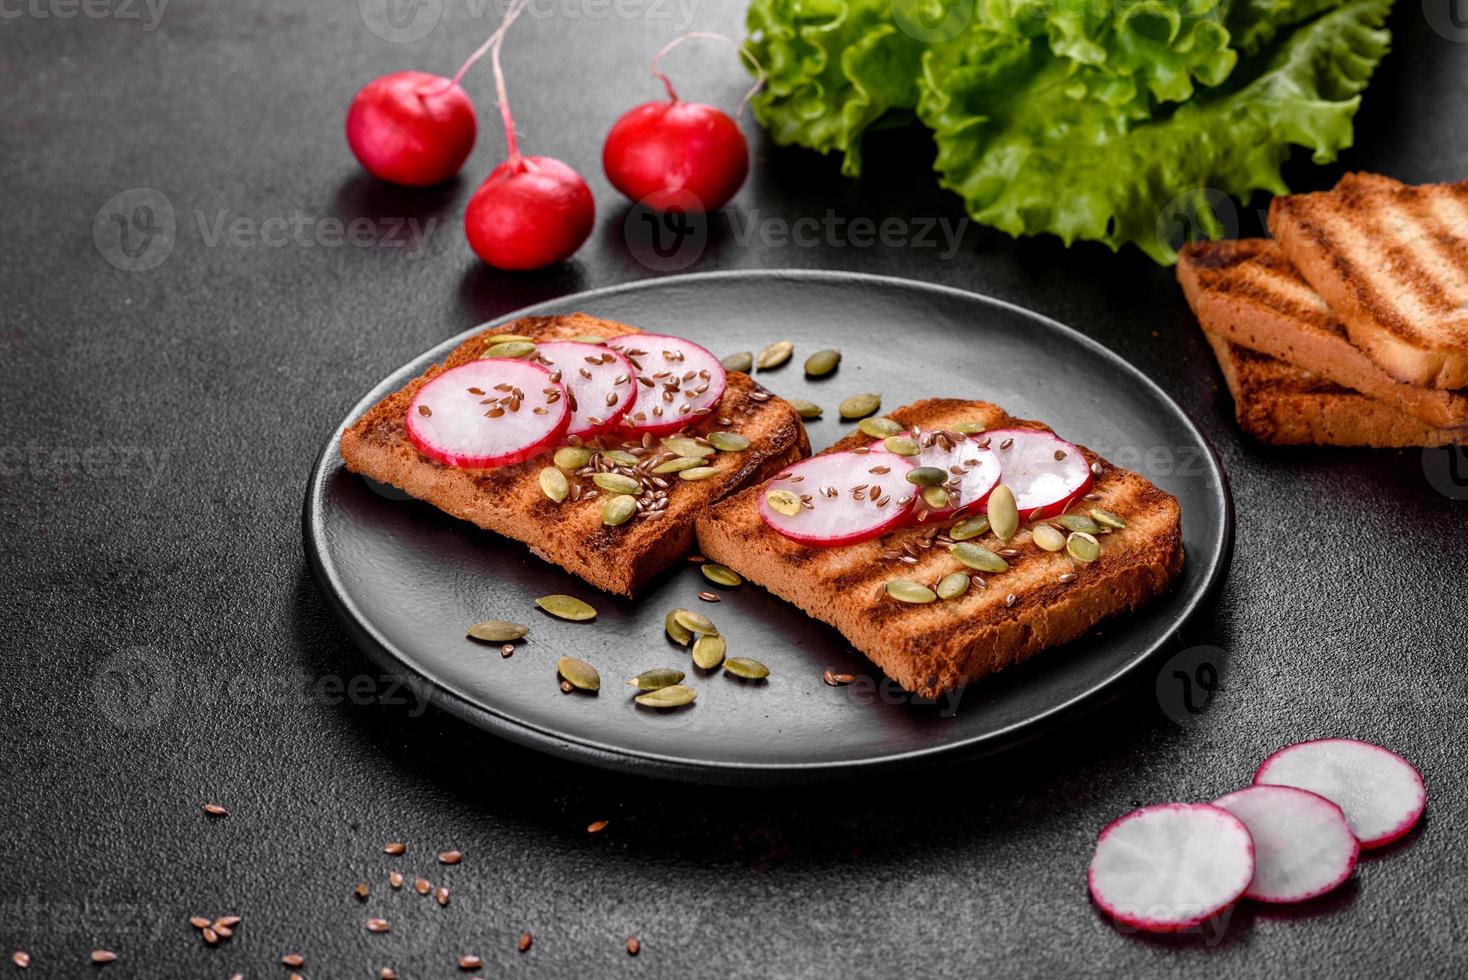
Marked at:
<point>930,649</point>
<point>1285,405</point>
<point>1392,262</point>
<point>1248,293</point>
<point>508,500</point>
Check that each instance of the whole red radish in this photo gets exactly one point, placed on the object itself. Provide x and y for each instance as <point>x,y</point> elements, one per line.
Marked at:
<point>676,155</point>
<point>412,128</point>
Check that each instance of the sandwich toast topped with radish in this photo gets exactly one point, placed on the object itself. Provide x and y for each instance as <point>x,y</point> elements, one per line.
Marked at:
<point>950,540</point>
<point>591,441</point>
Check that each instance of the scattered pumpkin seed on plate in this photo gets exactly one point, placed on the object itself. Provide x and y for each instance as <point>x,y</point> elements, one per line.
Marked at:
<point>743,362</point>
<point>860,406</point>
<point>774,355</point>
<point>553,484</point>
<point>673,696</point>
<point>822,363</point>
<point>579,673</point>
<point>806,410</point>
<point>658,677</point>
<point>720,574</point>
<point>498,631</point>
<point>695,622</point>
<point>728,442</point>
<point>566,607</point>
<point>709,650</point>
<point>746,668</point>
<point>879,428</point>
<point>677,632</point>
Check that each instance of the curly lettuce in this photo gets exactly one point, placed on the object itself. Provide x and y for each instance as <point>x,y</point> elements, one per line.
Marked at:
<point>1086,119</point>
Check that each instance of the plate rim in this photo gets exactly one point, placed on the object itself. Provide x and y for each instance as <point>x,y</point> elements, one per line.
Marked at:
<point>588,750</point>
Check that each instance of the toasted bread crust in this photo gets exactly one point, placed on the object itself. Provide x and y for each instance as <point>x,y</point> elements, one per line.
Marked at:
<point>508,500</point>
<point>1284,405</point>
<point>930,649</point>
<point>1392,262</point>
<point>1247,292</point>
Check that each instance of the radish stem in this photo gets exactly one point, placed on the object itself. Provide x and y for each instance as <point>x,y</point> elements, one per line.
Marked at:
<point>759,70</point>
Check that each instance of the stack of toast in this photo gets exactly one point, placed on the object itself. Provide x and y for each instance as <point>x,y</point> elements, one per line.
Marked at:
<point>1350,326</point>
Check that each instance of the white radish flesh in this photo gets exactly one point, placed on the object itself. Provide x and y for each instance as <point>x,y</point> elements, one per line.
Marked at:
<point>489,412</point>
<point>979,469</point>
<point>680,382</point>
<point>1303,846</point>
<point>1381,794</point>
<point>1167,867</point>
<point>1046,473</point>
<point>845,498</point>
<point>600,383</point>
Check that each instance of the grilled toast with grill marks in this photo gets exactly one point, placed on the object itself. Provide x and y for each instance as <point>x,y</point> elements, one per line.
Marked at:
<point>1392,261</point>
<point>1247,293</point>
<point>933,648</point>
<point>1284,405</point>
<point>508,500</point>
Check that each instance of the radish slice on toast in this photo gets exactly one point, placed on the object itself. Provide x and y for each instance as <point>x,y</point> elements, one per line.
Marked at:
<point>490,412</point>
<point>679,382</point>
<point>978,466</point>
<point>1046,473</point>
<point>1303,846</point>
<point>1167,867</point>
<point>839,498</point>
<point>600,384</point>
<point>1381,793</point>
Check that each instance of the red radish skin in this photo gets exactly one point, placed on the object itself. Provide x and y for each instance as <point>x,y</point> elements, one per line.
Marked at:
<point>666,366</point>
<point>1043,485</point>
<point>974,487</point>
<point>412,128</point>
<point>448,418</point>
<point>1381,794</point>
<point>601,385</point>
<point>1303,846</point>
<point>529,213</point>
<point>845,518</point>
<point>1169,867</point>
<point>675,155</point>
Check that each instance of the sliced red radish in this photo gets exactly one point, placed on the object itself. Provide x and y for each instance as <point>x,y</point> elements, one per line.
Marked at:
<point>978,468</point>
<point>680,382</point>
<point>1381,793</point>
<point>1303,846</point>
<point>839,498</point>
<point>1166,867</point>
<point>490,412</point>
<point>600,384</point>
<point>1046,473</point>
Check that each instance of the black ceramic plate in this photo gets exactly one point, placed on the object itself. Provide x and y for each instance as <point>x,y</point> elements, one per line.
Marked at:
<point>407,579</point>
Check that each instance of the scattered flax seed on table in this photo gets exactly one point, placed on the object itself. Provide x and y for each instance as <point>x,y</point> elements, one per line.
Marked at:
<point>215,810</point>
<point>293,960</point>
<point>525,942</point>
<point>450,857</point>
<point>101,956</point>
<point>395,848</point>
<point>633,946</point>
<point>597,826</point>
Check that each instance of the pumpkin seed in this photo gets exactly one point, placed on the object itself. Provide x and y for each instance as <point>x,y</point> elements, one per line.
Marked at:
<point>774,355</point>
<point>510,348</point>
<point>553,484</point>
<point>617,483</point>
<point>904,590</point>
<point>902,445</point>
<point>508,338</point>
<point>970,527</point>
<point>750,670</point>
<point>728,442</point>
<point>1048,538</point>
<point>806,410</point>
<point>935,497</point>
<point>743,362</point>
<point>1082,547</point>
<point>695,622</point>
<point>927,476</point>
<point>684,446</point>
<point>822,363</point>
<point>783,502</point>
<point>698,473</point>
<point>589,338</point>
<point>581,674</point>
<point>978,557</point>
<point>621,457</point>
<point>709,650</point>
<point>879,428</point>
<point>618,509</point>
<point>677,632</point>
<point>969,428</point>
<point>720,574</point>
<point>1107,519</point>
<point>1003,513</point>
<point>566,607</point>
<point>1079,522</point>
<point>498,631</point>
<point>860,406</point>
<point>655,679</point>
<point>674,696</point>
<point>952,585</point>
<point>678,465</point>
<point>572,457</point>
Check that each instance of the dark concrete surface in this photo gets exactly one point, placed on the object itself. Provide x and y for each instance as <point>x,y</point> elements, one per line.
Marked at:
<point>164,644</point>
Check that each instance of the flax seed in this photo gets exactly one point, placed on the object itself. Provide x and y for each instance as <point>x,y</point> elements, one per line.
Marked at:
<point>377,925</point>
<point>215,810</point>
<point>395,879</point>
<point>293,960</point>
<point>450,857</point>
<point>470,962</point>
<point>395,848</point>
<point>633,946</point>
<point>421,886</point>
<point>101,956</point>
<point>597,826</point>
<point>524,942</point>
